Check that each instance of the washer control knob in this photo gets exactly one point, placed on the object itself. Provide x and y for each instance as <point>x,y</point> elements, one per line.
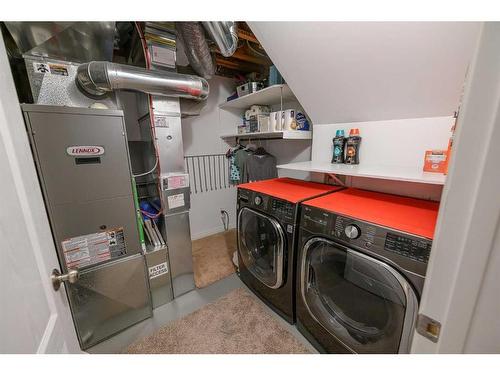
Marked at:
<point>352,231</point>
<point>257,200</point>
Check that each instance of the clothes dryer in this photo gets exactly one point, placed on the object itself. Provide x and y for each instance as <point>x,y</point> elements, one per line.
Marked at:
<point>362,259</point>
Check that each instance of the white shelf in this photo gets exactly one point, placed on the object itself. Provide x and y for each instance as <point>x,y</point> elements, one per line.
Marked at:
<point>371,171</point>
<point>286,134</point>
<point>268,96</point>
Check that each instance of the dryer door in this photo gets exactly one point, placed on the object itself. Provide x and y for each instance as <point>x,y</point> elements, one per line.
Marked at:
<point>261,243</point>
<point>364,303</point>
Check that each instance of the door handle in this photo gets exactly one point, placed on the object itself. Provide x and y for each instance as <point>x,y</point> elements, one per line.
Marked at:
<point>57,278</point>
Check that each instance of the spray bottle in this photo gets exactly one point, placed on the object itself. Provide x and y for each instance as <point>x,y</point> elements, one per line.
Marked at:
<point>338,147</point>
<point>352,147</point>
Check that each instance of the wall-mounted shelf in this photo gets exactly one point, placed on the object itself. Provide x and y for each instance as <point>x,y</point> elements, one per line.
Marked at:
<point>286,134</point>
<point>381,172</point>
<point>268,96</point>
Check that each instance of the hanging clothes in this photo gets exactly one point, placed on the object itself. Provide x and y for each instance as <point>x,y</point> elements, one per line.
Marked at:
<point>240,160</point>
<point>234,173</point>
<point>261,165</point>
<point>249,163</point>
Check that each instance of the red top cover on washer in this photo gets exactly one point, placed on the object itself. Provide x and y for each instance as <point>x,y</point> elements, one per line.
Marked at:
<point>289,189</point>
<point>410,215</point>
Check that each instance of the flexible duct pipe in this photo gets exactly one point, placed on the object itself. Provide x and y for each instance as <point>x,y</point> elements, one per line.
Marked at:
<point>192,37</point>
<point>224,34</point>
<point>97,78</point>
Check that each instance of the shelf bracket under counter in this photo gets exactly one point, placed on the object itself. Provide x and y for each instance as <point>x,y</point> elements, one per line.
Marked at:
<point>337,180</point>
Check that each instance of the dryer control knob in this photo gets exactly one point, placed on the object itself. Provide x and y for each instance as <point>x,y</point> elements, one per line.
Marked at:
<point>257,200</point>
<point>352,231</point>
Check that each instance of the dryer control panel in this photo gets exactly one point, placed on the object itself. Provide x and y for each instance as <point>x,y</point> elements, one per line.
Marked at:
<point>409,251</point>
<point>417,249</point>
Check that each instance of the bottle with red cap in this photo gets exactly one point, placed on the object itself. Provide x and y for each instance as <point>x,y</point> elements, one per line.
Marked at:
<point>352,147</point>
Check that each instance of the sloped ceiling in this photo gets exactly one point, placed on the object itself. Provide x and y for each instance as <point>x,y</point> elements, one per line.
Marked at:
<point>367,71</point>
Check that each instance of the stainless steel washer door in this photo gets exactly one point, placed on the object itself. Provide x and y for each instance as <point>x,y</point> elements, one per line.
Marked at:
<point>364,303</point>
<point>261,242</point>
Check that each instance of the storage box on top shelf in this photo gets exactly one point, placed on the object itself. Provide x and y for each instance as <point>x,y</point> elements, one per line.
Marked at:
<point>248,88</point>
<point>275,77</point>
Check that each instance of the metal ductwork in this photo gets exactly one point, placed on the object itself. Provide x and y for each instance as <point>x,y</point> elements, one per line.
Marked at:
<point>98,78</point>
<point>224,34</point>
<point>65,41</point>
<point>192,37</point>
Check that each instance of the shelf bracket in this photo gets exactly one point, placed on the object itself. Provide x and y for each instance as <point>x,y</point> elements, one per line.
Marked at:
<point>336,179</point>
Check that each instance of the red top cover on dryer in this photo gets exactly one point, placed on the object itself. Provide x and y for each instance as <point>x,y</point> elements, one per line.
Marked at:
<point>410,215</point>
<point>289,189</point>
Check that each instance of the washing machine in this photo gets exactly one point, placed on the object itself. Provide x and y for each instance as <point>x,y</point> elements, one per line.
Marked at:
<point>267,213</point>
<point>362,258</point>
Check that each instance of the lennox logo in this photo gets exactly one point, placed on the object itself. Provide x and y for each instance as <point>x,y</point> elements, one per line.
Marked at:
<point>85,150</point>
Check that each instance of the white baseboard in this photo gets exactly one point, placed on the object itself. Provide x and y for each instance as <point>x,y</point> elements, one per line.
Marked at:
<point>208,232</point>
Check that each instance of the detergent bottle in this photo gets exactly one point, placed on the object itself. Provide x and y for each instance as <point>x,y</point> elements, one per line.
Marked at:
<point>352,147</point>
<point>338,147</point>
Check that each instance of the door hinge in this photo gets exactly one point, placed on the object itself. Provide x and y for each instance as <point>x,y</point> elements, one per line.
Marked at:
<point>428,327</point>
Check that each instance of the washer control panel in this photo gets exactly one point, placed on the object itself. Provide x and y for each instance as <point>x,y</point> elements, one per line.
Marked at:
<point>280,209</point>
<point>283,209</point>
<point>257,200</point>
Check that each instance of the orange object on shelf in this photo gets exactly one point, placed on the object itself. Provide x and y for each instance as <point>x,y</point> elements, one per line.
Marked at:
<point>435,161</point>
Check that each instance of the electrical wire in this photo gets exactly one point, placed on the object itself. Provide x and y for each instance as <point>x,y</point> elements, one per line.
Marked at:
<point>148,172</point>
<point>150,215</point>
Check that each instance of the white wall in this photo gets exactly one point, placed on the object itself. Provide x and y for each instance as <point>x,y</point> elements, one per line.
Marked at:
<point>398,143</point>
<point>344,72</point>
<point>201,136</point>
<point>367,71</point>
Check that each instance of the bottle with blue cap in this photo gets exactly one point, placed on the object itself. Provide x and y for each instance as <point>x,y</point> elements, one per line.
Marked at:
<point>338,147</point>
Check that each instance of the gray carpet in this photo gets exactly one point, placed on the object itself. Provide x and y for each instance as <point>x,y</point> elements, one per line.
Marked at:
<point>235,323</point>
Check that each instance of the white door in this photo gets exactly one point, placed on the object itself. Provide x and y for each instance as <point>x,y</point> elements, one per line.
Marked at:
<point>461,288</point>
<point>34,318</point>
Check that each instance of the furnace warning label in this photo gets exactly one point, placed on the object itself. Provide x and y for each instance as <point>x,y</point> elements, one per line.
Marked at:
<point>93,248</point>
<point>41,68</point>
<point>161,122</point>
<point>175,201</point>
<point>57,69</point>
<point>164,56</point>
